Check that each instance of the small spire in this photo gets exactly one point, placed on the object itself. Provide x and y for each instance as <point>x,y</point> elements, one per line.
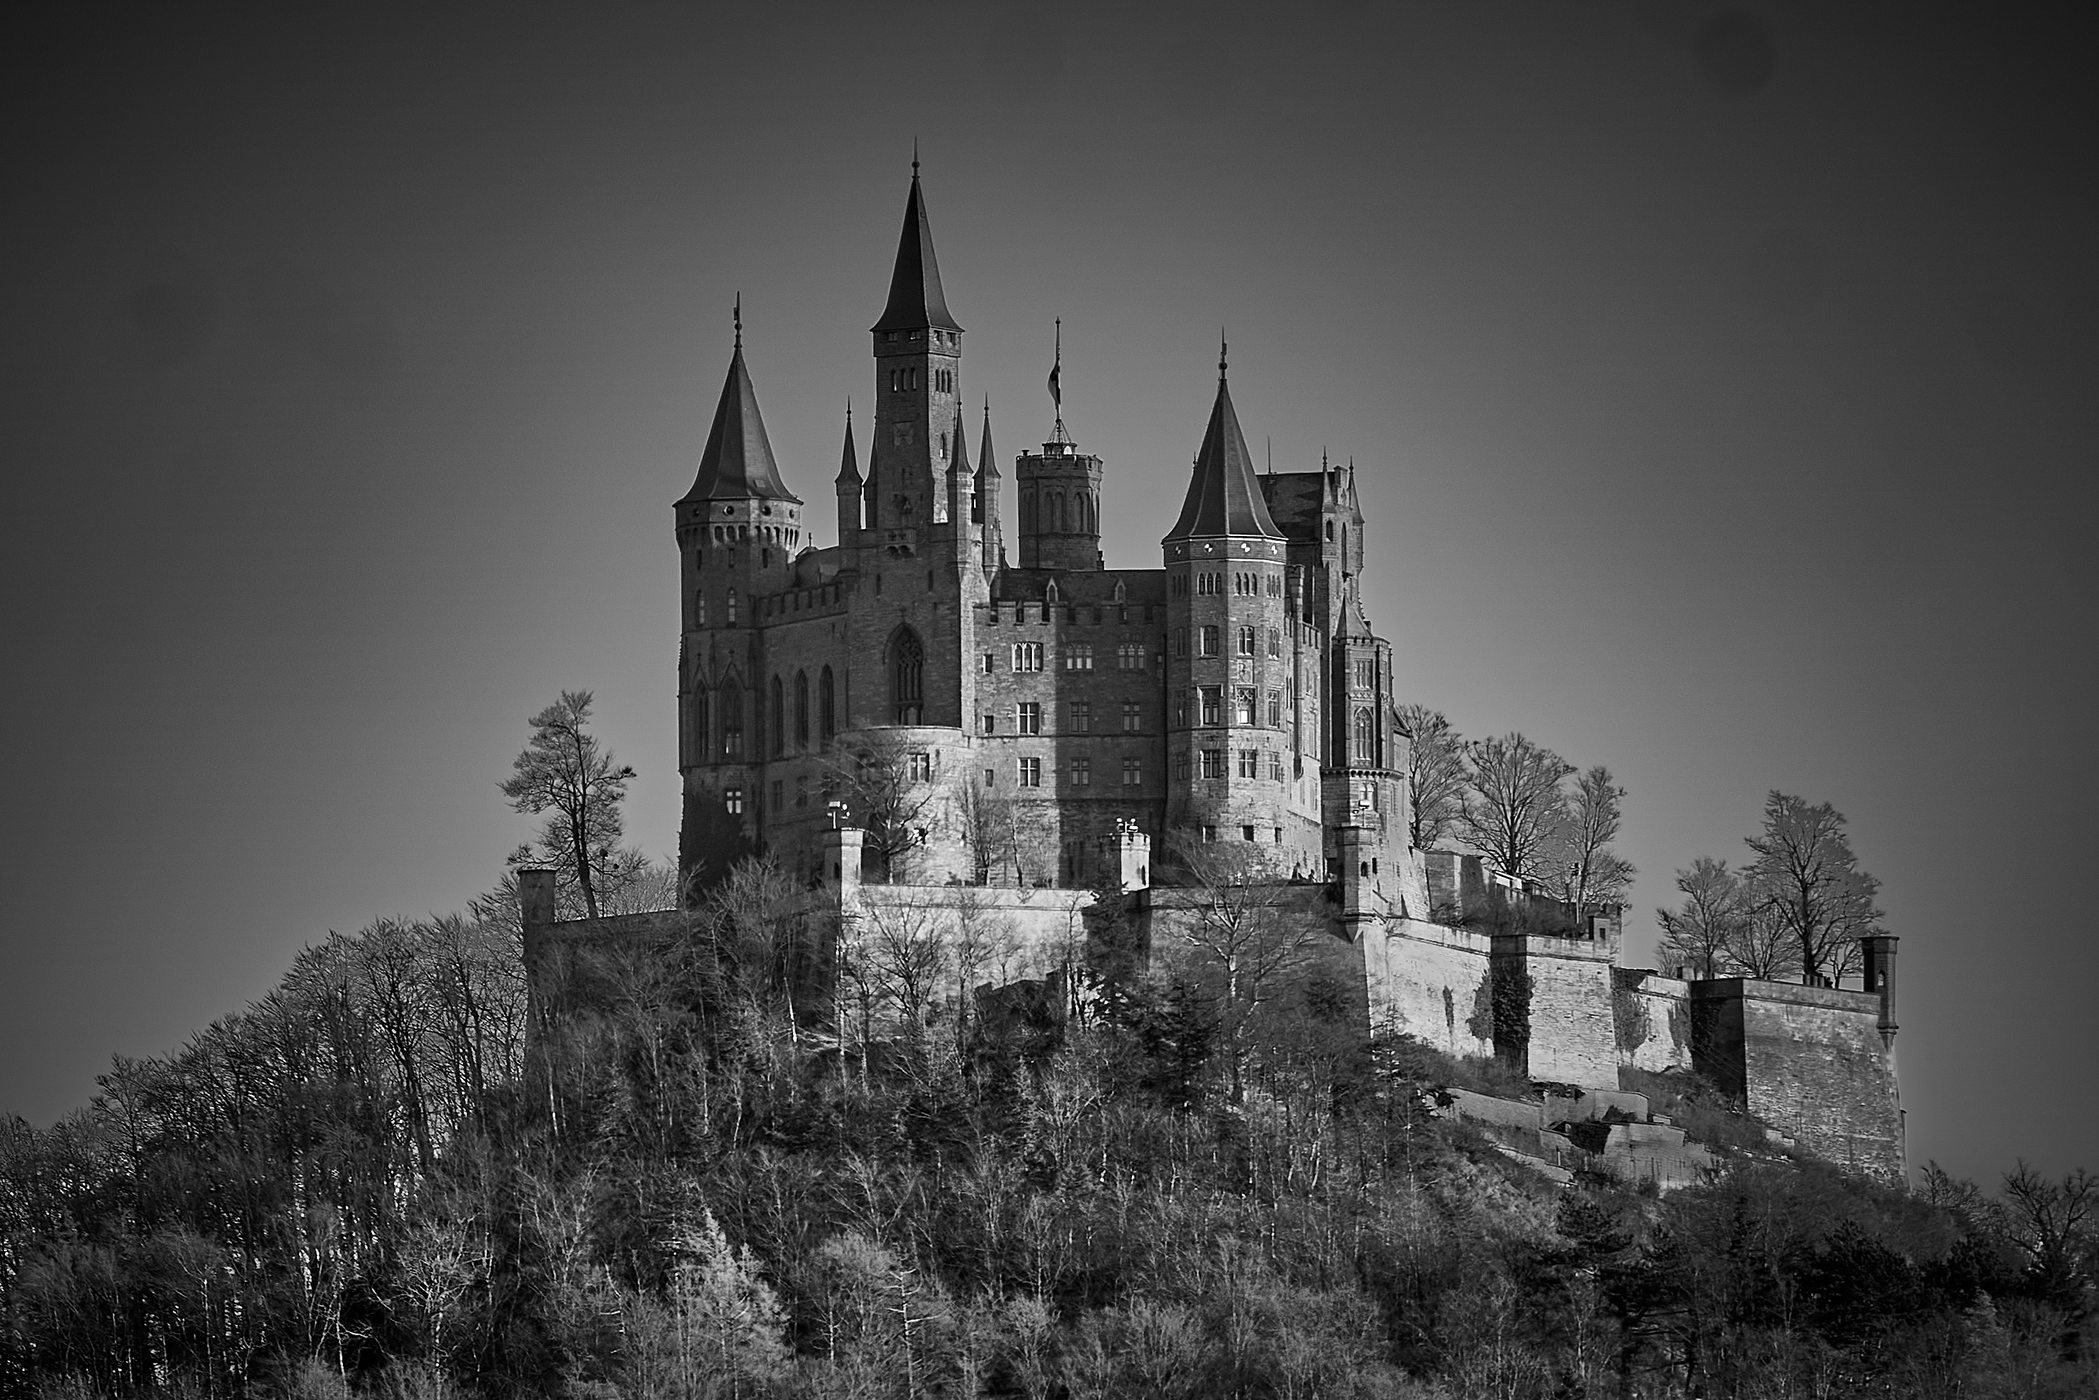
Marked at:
<point>987,460</point>
<point>1222,347</point>
<point>848,460</point>
<point>737,314</point>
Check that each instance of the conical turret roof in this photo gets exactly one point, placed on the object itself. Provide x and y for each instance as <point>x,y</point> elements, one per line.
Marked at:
<point>915,299</point>
<point>987,459</point>
<point>737,463</point>
<point>849,462</point>
<point>958,455</point>
<point>1223,496</point>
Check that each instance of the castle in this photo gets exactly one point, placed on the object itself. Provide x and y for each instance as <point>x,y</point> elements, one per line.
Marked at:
<point>1039,722</point>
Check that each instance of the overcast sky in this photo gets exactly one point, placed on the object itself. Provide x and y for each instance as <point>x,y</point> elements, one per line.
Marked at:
<point>1720,385</point>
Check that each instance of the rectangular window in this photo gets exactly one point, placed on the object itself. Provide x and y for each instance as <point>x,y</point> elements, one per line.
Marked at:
<point>990,662</point>
<point>779,794</point>
<point>1133,772</point>
<point>1031,772</point>
<point>1246,641</point>
<point>1213,705</point>
<point>1180,767</point>
<point>1180,711</point>
<point>1129,656</point>
<point>987,724</point>
<point>921,764</point>
<point>1275,641</point>
<point>1027,656</point>
<point>1132,717</point>
<point>1249,765</point>
<point>1275,709</point>
<point>1209,833</point>
<point>1208,645</point>
<point>991,777</point>
<point>1275,775</point>
<point>1213,763</point>
<point>1028,718</point>
<point>1078,716</point>
<point>1180,641</point>
<point>732,799</point>
<point>1366,675</point>
<point>1246,833</point>
<point>1078,656</point>
<point>1081,771</point>
<point>1243,703</point>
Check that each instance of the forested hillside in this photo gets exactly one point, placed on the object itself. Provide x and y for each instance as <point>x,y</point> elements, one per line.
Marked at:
<point>707,1185</point>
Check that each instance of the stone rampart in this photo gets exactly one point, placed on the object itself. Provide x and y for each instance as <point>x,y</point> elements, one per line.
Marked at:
<point>1429,981</point>
<point>1652,1020</point>
<point>1809,1059</point>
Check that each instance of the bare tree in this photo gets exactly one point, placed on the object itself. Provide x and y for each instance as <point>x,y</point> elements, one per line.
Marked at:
<point>904,961</point>
<point>1807,879</point>
<point>1575,857</point>
<point>990,830</point>
<point>1248,928</point>
<point>886,783</point>
<point>2057,1225</point>
<point>566,773</point>
<point>1435,776</point>
<point>1702,932</point>
<point>1514,798</point>
<point>1763,946</point>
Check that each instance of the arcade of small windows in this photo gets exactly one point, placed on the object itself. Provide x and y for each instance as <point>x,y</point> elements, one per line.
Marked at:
<point>1129,656</point>
<point>1027,656</point>
<point>1078,656</point>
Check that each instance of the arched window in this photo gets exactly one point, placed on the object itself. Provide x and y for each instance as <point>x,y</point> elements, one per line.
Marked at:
<point>907,676</point>
<point>732,719</point>
<point>826,705</point>
<point>1366,738</point>
<point>801,709</point>
<point>732,607</point>
<point>779,730</point>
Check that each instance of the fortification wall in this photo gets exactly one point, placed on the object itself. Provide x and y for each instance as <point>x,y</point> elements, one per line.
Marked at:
<point>1810,1060</point>
<point>993,935</point>
<point>1651,1017</point>
<point>1430,982</point>
<point>1573,1034</point>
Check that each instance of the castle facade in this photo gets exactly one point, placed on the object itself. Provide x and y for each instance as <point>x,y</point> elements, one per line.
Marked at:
<point>1234,692</point>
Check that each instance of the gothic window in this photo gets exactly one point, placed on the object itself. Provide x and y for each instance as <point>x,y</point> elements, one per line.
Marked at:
<point>696,729</point>
<point>801,709</point>
<point>732,719</point>
<point>1275,641</point>
<point>1366,740</point>
<point>1243,702</point>
<point>826,705</point>
<point>779,730</point>
<point>907,676</point>
<point>1078,656</point>
<point>1246,641</point>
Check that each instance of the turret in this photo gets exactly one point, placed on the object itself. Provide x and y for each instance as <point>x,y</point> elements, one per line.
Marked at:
<point>992,531</point>
<point>1879,950</point>
<point>1060,497</point>
<point>848,486</point>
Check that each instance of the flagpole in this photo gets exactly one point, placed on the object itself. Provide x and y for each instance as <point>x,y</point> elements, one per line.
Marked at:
<point>1056,383</point>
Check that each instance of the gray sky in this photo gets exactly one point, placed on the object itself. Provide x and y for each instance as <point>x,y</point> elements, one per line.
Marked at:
<point>1720,385</point>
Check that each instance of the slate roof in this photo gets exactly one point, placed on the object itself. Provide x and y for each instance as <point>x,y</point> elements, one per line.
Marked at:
<point>849,463</point>
<point>737,463</point>
<point>915,299</point>
<point>987,460</point>
<point>1224,496</point>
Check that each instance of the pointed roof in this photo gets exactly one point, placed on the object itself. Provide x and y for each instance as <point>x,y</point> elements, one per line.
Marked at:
<point>987,460</point>
<point>1224,496</point>
<point>1353,623</point>
<point>737,463</point>
<point>958,453</point>
<point>915,298</point>
<point>849,463</point>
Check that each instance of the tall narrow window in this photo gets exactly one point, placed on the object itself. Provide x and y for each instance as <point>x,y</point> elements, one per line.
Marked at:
<point>779,730</point>
<point>732,607</point>
<point>732,719</point>
<point>826,705</point>
<point>801,709</point>
<point>1366,742</point>
<point>907,676</point>
<point>697,729</point>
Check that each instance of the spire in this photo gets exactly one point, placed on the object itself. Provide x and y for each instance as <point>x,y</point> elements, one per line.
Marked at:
<point>987,460</point>
<point>915,298</point>
<point>1223,496</point>
<point>958,453</point>
<point>849,464</point>
<point>737,463</point>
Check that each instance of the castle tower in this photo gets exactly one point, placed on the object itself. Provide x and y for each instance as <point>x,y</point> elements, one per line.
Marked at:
<point>1231,770</point>
<point>1365,756</point>
<point>1060,497</point>
<point>738,530</point>
<point>918,364</point>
